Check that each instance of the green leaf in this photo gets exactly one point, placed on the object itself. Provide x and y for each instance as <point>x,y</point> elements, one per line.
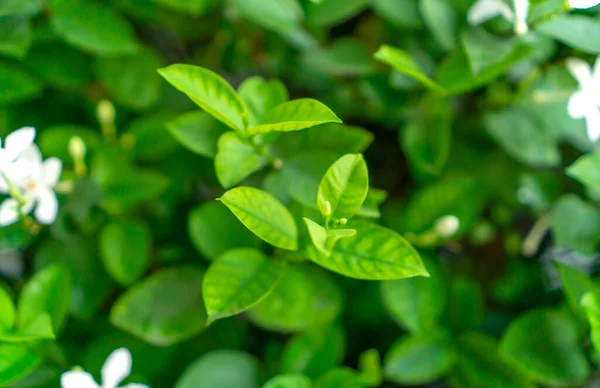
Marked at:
<point>16,361</point>
<point>264,215</point>
<point>375,253</point>
<point>214,230</point>
<point>125,250</point>
<point>277,15</point>
<point>369,365</point>
<point>260,96</point>
<point>590,302</point>
<point>15,35</point>
<point>575,285</point>
<point>93,27</point>
<point>314,352</point>
<point>294,116</point>
<point>192,7</point>
<point>403,14</point>
<point>55,140</point>
<point>586,169</point>
<point>163,309</point>
<point>210,92</point>
<point>17,85</point>
<point>306,297</point>
<point>418,360</point>
<point>341,377</point>
<point>345,57</point>
<point>290,380</point>
<point>466,306</point>
<point>223,369</point>
<point>324,240</point>
<point>416,304</point>
<point>577,31</point>
<point>40,328</point>
<point>198,132</point>
<point>523,136</point>
<point>536,343</point>
<point>133,187</point>
<point>484,49</point>
<point>330,12</point>
<point>404,63</point>
<point>236,159</point>
<point>152,140</point>
<point>238,280</point>
<point>47,292</point>
<point>7,318</point>
<point>441,19</point>
<point>575,224</point>
<point>12,7</point>
<point>345,186</point>
<point>479,364</point>
<point>131,79</point>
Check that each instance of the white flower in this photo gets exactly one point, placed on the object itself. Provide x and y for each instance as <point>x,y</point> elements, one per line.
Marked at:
<point>116,368</point>
<point>15,144</point>
<point>447,226</point>
<point>484,10</point>
<point>583,4</point>
<point>585,102</point>
<point>37,187</point>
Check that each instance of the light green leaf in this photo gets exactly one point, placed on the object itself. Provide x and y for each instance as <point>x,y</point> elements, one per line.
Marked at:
<point>236,159</point>
<point>277,15</point>
<point>260,96</point>
<point>404,63</point>
<point>198,132</point>
<point>40,328</point>
<point>163,309</point>
<point>586,169</point>
<point>294,116</point>
<point>577,31</point>
<point>524,137</point>
<point>480,365</point>
<point>17,85</point>
<point>441,19</point>
<point>314,352</point>
<point>375,253</point>
<point>575,285</point>
<point>93,27</point>
<point>47,292</point>
<point>344,186</point>
<point>290,380</point>
<point>324,240</point>
<point>575,224</point>
<point>125,250</point>
<point>223,369</point>
<point>536,344</point>
<point>237,280</point>
<point>214,230</point>
<point>16,361</point>
<point>210,92</point>
<point>132,80</point>
<point>264,215</point>
<point>330,12</point>
<point>15,35</point>
<point>306,297</point>
<point>590,302</point>
<point>342,376</point>
<point>7,307</point>
<point>418,360</point>
<point>369,365</point>
<point>416,304</point>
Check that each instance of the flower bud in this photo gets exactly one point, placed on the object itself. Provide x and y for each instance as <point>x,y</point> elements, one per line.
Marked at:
<point>447,226</point>
<point>105,112</point>
<point>77,148</point>
<point>327,209</point>
<point>343,221</point>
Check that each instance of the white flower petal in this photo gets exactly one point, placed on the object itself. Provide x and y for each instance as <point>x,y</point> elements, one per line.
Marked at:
<point>47,205</point>
<point>135,385</point>
<point>580,103</point>
<point>521,12</point>
<point>51,169</point>
<point>18,141</point>
<point>592,121</point>
<point>580,70</point>
<point>77,379</point>
<point>19,170</point>
<point>484,10</point>
<point>583,4</point>
<point>116,368</point>
<point>33,157</point>
<point>9,213</point>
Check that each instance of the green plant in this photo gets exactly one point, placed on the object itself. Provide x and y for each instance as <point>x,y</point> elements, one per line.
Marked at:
<point>318,193</point>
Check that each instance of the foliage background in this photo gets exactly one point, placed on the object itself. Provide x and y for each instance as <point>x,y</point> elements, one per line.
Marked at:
<point>467,121</point>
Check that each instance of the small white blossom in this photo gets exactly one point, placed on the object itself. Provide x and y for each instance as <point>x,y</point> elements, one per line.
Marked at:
<point>447,226</point>
<point>116,368</point>
<point>585,102</point>
<point>583,4</point>
<point>14,145</point>
<point>484,10</point>
<point>37,188</point>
